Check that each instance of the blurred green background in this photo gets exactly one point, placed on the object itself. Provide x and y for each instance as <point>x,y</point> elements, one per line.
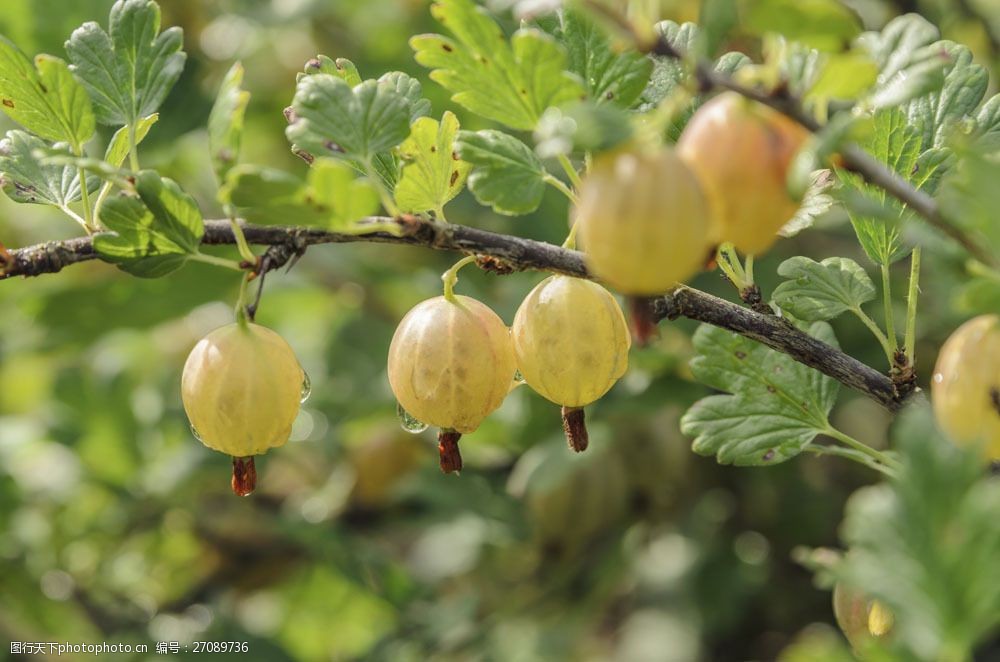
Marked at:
<point>117,525</point>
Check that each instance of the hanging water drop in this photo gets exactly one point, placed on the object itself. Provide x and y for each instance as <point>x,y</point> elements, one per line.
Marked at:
<point>196,434</point>
<point>307,387</point>
<point>408,422</point>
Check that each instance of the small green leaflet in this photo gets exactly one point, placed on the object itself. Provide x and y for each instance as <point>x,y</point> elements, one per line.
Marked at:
<point>154,234</point>
<point>506,174</point>
<point>582,127</point>
<point>969,195</point>
<point>225,122</point>
<point>117,149</point>
<point>508,82</point>
<point>610,76</point>
<point>341,68</point>
<point>44,98</point>
<point>777,408</point>
<point>897,144</point>
<point>334,119</point>
<point>926,544</point>
<point>433,174</point>
<point>823,24</point>
<point>332,197</point>
<point>964,87</point>
<point>129,72</point>
<point>988,124</point>
<point>669,73</point>
<point>818,291</point>
<point>27,178</point>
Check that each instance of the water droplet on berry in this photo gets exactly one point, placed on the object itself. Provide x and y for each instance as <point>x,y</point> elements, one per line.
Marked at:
<point>408,422</point>
<point>196,434</point>
<point>307,387</point>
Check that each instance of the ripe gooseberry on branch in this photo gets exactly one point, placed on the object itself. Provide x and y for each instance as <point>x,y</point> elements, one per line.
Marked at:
<point>571,343</point>
<point>741,151</point>
<point>451,364</point>
<point>241,388</point>
<point>965,388</point>
<point>644,220</point>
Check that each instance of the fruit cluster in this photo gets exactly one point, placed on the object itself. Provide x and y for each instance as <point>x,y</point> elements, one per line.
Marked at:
<point>649,219</point>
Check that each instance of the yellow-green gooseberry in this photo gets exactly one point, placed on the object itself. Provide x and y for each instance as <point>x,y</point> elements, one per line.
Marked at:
<point>965,388</point>
<point>241,388</point>
<point>451,364</point>
<point>571,343</point>
<point>644,220</point>
<point>741,151</point>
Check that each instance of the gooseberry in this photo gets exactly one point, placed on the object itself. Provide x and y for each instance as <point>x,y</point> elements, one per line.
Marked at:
<point>860,618</point>
<point>741,151</point>
<point>451,363</point>
<point>241,388</point>
<point>965,388</point>
<point>644,220</point>
<point>571,343</point>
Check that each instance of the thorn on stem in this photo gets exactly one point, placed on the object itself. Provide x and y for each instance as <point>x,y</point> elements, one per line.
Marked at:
<point>244,476</point>
<point>451,458</point>
<point>575,427</point>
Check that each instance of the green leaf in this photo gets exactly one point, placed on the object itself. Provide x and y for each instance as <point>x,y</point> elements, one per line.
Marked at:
<point>969,195</point>
<point>129,72</point>
<point>668,72</point>
<point>154,234</point>
<point>843,76</point>
<point>988,124</point>
<point>225,122</point>
<point>894,47</point>
<point>964,87</point>
<point>926,544</point>
<point>823,24</point>
<point>609,75</point>
<point>334,189</point>
<point>341,68</point>
<point>409,88</point>
<point>26,178</point>
<point>44,98</point>
<point>433,173</point>
<point>897,144</point>
<point>506,174</point>
<point>509,82</point>
<point>582,127</point>
<point>118,148</point>
<point>333,196</point>
<point>818,291</point>
<point>919,80</point>
<point>717,19</point>
<point>334,119</point>
<point>816,201</point>
<point>777,406</point>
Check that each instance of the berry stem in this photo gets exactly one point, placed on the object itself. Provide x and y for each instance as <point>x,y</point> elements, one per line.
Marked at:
<point>450,277</point>
<point>863,448</point>
<point>575,427</point>
<point>244,476</point>
<point>450,456</point>
<point>558,184</point>
<point>890,324</point>
<point>241,240</point>
<point>909,340</point>
<point>574,176</point>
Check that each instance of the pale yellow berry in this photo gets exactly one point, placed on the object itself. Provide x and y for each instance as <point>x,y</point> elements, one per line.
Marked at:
<point>571,340</point>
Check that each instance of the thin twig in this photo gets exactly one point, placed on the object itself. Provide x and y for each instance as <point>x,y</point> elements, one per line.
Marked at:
<point>515,254</point>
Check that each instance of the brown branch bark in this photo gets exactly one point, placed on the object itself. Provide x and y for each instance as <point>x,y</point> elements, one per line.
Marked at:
<point>505,253</point>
